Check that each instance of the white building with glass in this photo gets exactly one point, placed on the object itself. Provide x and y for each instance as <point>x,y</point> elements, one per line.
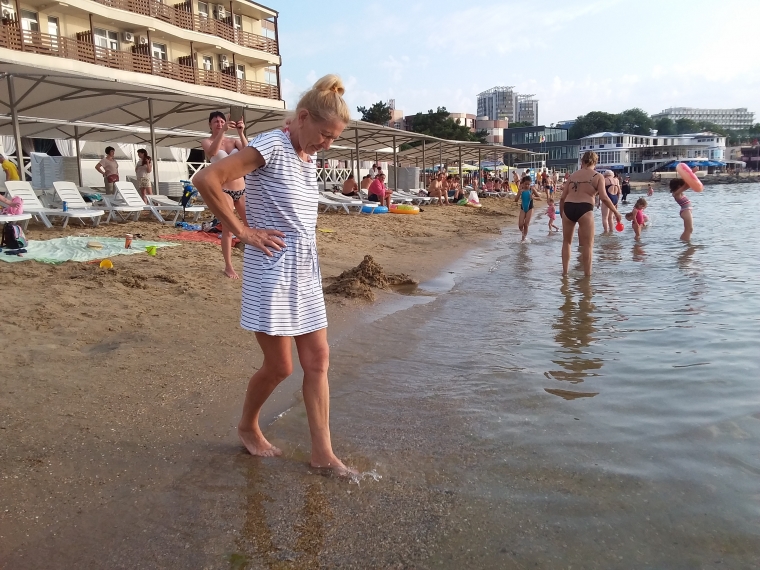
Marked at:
<point>638,153</point>
<point>738,119</point>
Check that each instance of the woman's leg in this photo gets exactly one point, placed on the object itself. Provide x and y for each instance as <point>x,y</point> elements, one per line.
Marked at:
<point>586,240</point>
<point>688,225</point>
<point>605,216</point>
<point>229,270</point>
<point>240,208</point>
<point>568,230</point>
<point>277,366</point>
<point>314,355</point>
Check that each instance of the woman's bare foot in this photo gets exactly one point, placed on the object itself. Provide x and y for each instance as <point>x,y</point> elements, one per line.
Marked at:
<point>257,444</point>
<point>231,273</point>
<point>334,466</point>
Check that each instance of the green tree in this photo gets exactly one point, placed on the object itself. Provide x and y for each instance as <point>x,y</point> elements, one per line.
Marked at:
<point>684,126</point>
<point>438,124</point>
<point>379,113</point>
<point>665,126</point>
<point>634,121</point>
<point>593,122</point>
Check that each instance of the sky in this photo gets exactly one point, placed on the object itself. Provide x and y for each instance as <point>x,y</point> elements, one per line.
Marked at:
<point>575,56</point>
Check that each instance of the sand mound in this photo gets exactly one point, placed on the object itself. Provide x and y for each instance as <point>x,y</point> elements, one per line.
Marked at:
<point>359,281</point>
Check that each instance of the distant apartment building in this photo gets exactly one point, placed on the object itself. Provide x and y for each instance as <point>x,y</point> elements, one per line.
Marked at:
<point>464,119</point>
<point>227,50</point>
<point>735,119</point>
<point>494,130</point>
<point>637,153</point>
<point>560,153</point>
<point>397,117</point>
<point>503,103</point>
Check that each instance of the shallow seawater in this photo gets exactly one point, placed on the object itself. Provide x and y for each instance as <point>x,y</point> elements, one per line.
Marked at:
<point>610,422</point>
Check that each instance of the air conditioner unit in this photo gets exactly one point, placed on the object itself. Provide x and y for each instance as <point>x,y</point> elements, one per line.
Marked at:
<point>7,13</point>
<point>143,40</point>
<point>221,13</point>
<point>5,2</point>
<point>128,37</point>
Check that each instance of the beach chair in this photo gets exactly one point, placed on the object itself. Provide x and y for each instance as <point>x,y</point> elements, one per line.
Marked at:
<point>77,207</point>
<point>127,200</point>
<point>333,203</point>
<point>24,218</point>
<point>166,204</point>
<point>32,204</point>
<point>353,201</point>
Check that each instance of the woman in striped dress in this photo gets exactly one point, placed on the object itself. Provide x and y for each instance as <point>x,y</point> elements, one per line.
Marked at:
<point>282,284</point>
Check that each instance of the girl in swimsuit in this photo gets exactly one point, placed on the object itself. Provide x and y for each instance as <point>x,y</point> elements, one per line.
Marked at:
<point>613,193</point>
<point>638,217</point>
<point>218,147</point>
<point>525,197</point>
<point>677,190</point>
<point>577,207</point>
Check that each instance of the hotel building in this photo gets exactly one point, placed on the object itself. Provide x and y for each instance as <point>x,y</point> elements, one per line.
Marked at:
<point>227,49</point>
<point>735,119</point>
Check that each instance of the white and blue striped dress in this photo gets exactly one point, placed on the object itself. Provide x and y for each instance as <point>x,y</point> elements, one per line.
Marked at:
<point>282,294</point>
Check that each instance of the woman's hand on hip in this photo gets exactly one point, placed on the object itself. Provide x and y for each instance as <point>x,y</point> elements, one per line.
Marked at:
<point>263,239</point>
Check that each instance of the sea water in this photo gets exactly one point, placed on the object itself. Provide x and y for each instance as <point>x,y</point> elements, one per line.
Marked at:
<point>610,422</point>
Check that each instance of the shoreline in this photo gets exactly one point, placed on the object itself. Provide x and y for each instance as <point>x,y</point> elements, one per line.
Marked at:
<point>121,377</point>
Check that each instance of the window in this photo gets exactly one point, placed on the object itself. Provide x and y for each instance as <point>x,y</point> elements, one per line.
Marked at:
<point>270,76</point>
<point>208,63</point>
<point>238,22</point>
<point>29,21</point>
<point>159,51</point>
<point>240,71</point>
<point>106,39</point>
<point>203,9</point>
<point>53,28</point>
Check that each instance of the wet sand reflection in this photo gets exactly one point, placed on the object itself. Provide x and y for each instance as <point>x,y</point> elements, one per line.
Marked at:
<point>575,331</point>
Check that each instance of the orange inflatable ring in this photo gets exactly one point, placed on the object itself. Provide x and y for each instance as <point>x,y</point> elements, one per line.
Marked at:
<point>688,176</point>
<point>404,209</point>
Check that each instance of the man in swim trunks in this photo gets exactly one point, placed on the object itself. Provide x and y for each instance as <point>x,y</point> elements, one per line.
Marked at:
<point>436,190</point>
<point>379,192</point>
<point>349,187</point>
<point>577,207</point>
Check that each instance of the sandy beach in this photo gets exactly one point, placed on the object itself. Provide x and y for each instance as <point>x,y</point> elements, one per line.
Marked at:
<point>123,387</point>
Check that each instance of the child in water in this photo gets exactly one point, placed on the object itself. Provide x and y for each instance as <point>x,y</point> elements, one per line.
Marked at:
<point>650,191</point>
<point>638,217</point>
<point>552,213</point>
<point>525,197</point>
<point>677,189</point>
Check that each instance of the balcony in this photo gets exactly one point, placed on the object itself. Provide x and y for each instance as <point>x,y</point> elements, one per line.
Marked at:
<point>180,15</point>
<point>78,49</point>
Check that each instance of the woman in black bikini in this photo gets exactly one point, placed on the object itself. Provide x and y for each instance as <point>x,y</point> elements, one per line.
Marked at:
<point>577,207</point>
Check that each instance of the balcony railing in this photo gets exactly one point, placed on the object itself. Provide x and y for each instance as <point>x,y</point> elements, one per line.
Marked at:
<point>45,44</point>
<point>180,15</point>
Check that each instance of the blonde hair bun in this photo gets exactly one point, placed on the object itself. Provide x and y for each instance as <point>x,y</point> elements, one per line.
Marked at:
<point>330,83</point>
<point>324,100</point>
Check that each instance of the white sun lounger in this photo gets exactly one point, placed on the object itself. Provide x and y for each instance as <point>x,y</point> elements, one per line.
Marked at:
<point>16,218</point>
<point>77,207</point>
<point>32,205</point>
<point>166,204</point>
<point>127,194</point>
<point>331,203</point>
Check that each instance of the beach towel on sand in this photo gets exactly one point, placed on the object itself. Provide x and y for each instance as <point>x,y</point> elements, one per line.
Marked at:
<point>75,249</point>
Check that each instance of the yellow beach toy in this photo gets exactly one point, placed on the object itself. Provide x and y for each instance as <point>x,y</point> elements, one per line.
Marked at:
<point>106,264</point>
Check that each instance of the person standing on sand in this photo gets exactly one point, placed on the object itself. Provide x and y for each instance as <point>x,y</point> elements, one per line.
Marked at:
<point>143,170</point>
<point>109,168</point>
<point>217,147</point>
<point>282,283</point>
<point>577,207</point>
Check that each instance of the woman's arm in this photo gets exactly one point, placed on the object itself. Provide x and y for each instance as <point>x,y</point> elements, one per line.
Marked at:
<point>149,164</point>
<point>99,168</point>
<point>210,182</point>
<point>243,142</point>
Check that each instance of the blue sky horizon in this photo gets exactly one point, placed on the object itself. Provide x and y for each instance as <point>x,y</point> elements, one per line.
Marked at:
<point>575,56</point>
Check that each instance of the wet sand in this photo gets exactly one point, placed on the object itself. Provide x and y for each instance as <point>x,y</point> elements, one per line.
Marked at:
<point>122,390</point>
